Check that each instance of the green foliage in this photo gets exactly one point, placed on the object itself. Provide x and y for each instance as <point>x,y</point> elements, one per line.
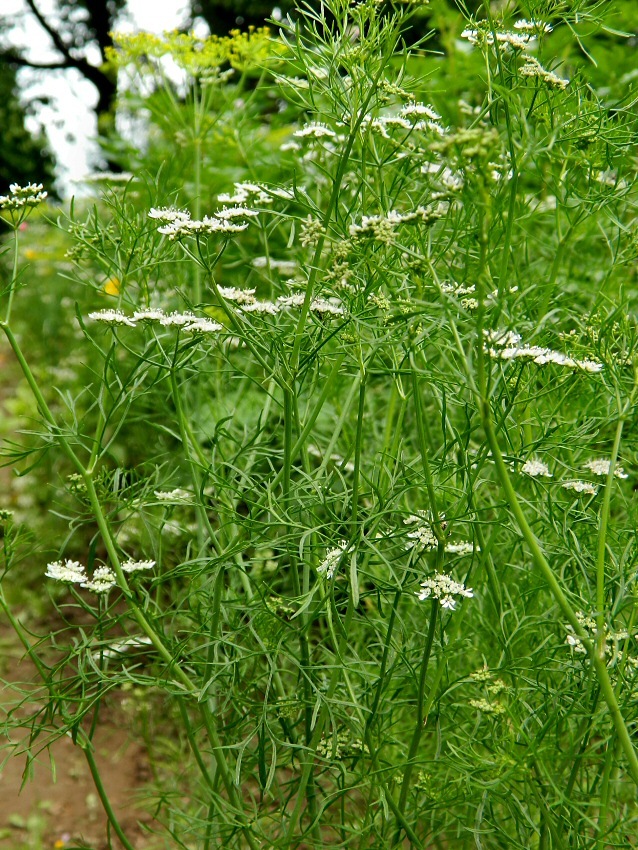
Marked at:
<point>342,448</point>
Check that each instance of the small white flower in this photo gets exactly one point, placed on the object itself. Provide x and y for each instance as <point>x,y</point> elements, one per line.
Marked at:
<point>422,537</point>
<point>331,559</point>
<point>536,468</point>
<point>169,214</point>
<point>112,317</point>
<point>533,68</point>
<point>465,548</point>
<point>539,355</point>
<point>235,212</point>
<point>177,319</point>
<point>332,307</point>
<point>260,307</point>
<point>295,300</point>
<point>315,130</point>
<point>601,467</point>
<point>589,365</point>
<point>207,226</point>
<point>241,296</point>
<point>503,339</point>
<point>420,110</point>
<point>203,326</point>
<point>176,495</point>
<point>133,566</point>
<point>151,315</point>
<point>68,570</point>
<point>444,588</point>
<point>505,40</point>
<point>574,642</point>
<point>532,26</point>
<point>580,487</point>
<point>23,196</point>
<point>102,580</point>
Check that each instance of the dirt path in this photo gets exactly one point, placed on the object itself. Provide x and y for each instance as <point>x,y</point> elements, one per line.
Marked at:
<point>58,806</point>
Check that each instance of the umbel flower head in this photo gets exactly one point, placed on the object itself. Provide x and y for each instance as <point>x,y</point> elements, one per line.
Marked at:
<point>23,196</point>
<point>444,589</point>
<point>178,223</point>
<point>331,560</point>
<point>103,578</point>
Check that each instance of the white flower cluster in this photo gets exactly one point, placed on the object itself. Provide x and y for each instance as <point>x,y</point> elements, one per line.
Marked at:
<point>331,559</point>
<point>422,537</point>
<point>103,578</point>
<point>177,223</point>
<point>443,588</point>
<point>284,267</point>
<point>383,227</point>
<point>532,26</point>
<point>612,638</point>
<point>420,110</point>
<point>601,467</point>
<point>247,303</point>
<point>505,40</point>
<point>580,487</point>
<point>533,68</point>
<point>452,181</point>
<point>315,130</point>
<point>5,515</point>
<point>188,322</point>
<point>130,566</point>
<point>68,570</point>
<point>464,548</point>
<point>255,192</point>
<point>23,196</point>
<point>172,496</point>
<point>505,346</point>
<point>465,293</point>
<point>417,117</point>
<point>536,468</point>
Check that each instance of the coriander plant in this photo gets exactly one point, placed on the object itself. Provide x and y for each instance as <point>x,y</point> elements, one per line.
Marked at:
<point>347,481</point>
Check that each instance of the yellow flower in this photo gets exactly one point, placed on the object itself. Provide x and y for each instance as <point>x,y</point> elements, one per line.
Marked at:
<point>112,286</point>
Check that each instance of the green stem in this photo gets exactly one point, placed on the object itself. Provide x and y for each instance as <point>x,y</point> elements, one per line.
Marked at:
<point>424,448</point>
<point>418,725</point>
<point>602,541</point>
<point>14,275</point>
<point>87,748</point>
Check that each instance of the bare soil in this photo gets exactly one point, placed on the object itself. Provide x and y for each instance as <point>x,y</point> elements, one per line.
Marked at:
<point>57,806</point>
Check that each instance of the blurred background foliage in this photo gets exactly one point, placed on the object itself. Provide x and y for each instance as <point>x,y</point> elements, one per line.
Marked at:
<point>79,31</point>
